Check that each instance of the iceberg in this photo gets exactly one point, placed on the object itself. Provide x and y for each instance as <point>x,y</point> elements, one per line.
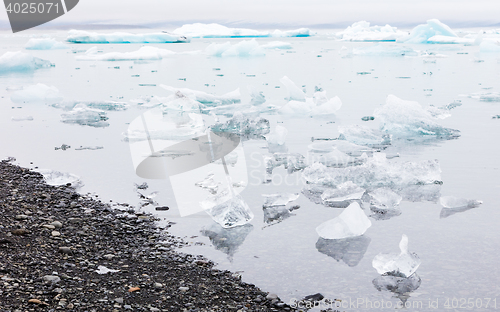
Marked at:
<point>346,147</point>
<point>85,116</point>
<point>38,93</point>
<point>409,119</point>
<point>44,44</point>
<point>422,33</point>
<point>294,93</point>
<point>21,62</point>
<point>278,136</point>
<point>405,263</point>
<point>242,49</point>
<point>56,178</point>
<point>350,250</point>
<point>382,50</point>
<point>363,135</point>
<point>344,192</point>
<point>489,47</point>
<point>226,212</point>
<point>248,127</point>
<point>144,53</point>
<point>362,31</point>
<point>282,199</point>
<point>350,223</point>
<point>200,30</point>
<point>452,202</point>
<point>311,107</point>
<point>207,98</point>
<point>80,36</point>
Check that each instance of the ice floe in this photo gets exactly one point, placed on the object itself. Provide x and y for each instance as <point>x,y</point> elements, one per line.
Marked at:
<point>44,44</point>
<point>422,33</point>
<point>200,30</point>
<point>244,126</point>
<point>38,93</point>
<point>350,223</point>
<point>144,53</point>
<point>363,135</point>
<point>362,31</point>
<point>242,49</point>
<point>85,116</point>
<point>344,192</point>
<point>21,62</point>
<point>80,36</point>
<point>207,98</point>
<point>405,263</point>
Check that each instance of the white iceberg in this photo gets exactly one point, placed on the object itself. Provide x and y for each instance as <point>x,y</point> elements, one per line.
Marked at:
<point>80,36</point>
<point>452,202</point>
<point>242,49</point>
<point>144,53</point>
<point>207,98</point>
<point>383,50</point>
<point>350,223</point>
<point>409,119</point>
<point>200,30</point>
<point>44,44</point>
<point>363,135</point>
<point>362,31</point>
<point>56,178</point>
<point>83,115</point>
<point>282,199</point>
<point>278,136</point>
<point>405,263</point>
<point>422,33</point>
<point>38,93</point>
<point>20,61</point>
<point>294,93</point>
<point>344,192</point>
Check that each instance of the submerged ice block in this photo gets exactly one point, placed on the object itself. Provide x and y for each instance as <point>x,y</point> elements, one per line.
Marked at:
<point>350,223</point>
<point>405,263</point>
<point>228,209</point>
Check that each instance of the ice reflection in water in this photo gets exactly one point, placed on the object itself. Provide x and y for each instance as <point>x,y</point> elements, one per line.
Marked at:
<point>350,250</point>
<point>227,240</point>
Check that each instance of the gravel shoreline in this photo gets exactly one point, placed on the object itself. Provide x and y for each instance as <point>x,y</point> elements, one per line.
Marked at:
<point>53,242</point>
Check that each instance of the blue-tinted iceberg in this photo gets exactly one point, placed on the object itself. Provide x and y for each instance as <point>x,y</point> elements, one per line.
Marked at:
<point>21,62</point>
<point>80,36</point>
<point>350,223</point>
<point>144,53</point>
<point>44,44</point>
<point>422,33</point>
<point>242,49</point>
<point>405,263</point>
<point>200,30</point>
<point>38,93</point>
<point>362,31</point>
<point>383,50</point>
<point>408,119</point>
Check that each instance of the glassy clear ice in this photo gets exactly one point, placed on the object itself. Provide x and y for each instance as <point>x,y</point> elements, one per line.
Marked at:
<point>405,263</point>
<point>363,135</point>
<point>56,178</point>
<point>281,199</point>
<point>350,223</point>
<point>228,209</point>
<point>384,198</point>
<point>344,192</point>
<point>83,115</point>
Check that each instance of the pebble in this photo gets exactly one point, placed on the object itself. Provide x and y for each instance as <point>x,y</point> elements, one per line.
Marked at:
<point>52,278</point>
<point>271,297</point>
<point>49,226</point>
<point>108,256</point>
<point>57,224</point>
<point>183,288</point>
<point>158,285</point>
<point>21,217</point>
<point>65,250</point>
<point>55,233</point>
<point>119,300</point>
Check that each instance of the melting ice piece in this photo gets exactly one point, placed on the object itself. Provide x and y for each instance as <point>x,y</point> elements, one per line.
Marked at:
<point>278,136</point>
<point>422,33</point>
<point>277,214</point>
<point>207,98</point>
<point>38,93</point>
<point>181,102</point>
<point>241,49</point>
<point>228,209</point>
<point>85,116</point>
<point>452,202</point>
<point>244,126</point>
<point>44,44</point>
<point>362,31</point>
<point>57,178</point>
<point>281,199</point>
<point>384,198</point>
<point>334,158</point>
<point>350,223</point>
<point>200,30</point>
<point>363,135</point>
<point>347,191</point>
<point>144,53</point>
<point>405,263</point>
<point>80,36</point>
<point>21,62</point>
<point>382,50</point>
<point>104,270</point>
<point>292,162</point>
<point>209,184</point>
<point>294,93</point>
<point>408,119</point>
<point>350,250</point>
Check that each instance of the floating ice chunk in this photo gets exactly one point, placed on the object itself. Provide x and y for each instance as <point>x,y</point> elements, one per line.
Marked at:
<point>24,118</point>
<point>144,53</point>
<point>325,108</point>
<point>38,93</point>
<point>257,97</point>
<point>363,135</point>
<point>291,161</point>
<point>20,61</point>
<point>350,250</point>
<point>279,45</point>
<point>382,50</point>
<point>405,263</point>
<point>347,191</point>
<point>227,209</point>
<point>384,199</point>
<point>181,102</point>
<point>362,31</point>
<point>199,30</point>
<point>409,119</point>
<point>350,223</point>
<point>449,40</point>
<point>377,171</point>
<point>422,33</point>
<point>346,147</point>
<point>83,115</point>
<point>243,49</point>
<point>334,158</point>
<point>452,202</point>
<point>148,101</point>
<point>209,184</point>
<point>207,98</point>
<point>244,126</point>
<point>294,93</point>
<point>80,36</point>
<point>281,199</point>
<point>310,108</point>
<point>489,47</point>
<point>104,270</point>
<point>57,178</point>
<point>277,214</point>
<point>278,136</point>
<point>44,44</point>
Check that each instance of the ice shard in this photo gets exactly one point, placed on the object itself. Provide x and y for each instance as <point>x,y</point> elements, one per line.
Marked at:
<point>228,209</point>
<point>404,263</point>
<point>350,223</point>
<point>57,178</point>
<point>294,93</point>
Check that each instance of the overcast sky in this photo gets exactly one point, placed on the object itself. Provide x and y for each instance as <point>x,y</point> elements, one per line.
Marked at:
<point>288,13</point>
